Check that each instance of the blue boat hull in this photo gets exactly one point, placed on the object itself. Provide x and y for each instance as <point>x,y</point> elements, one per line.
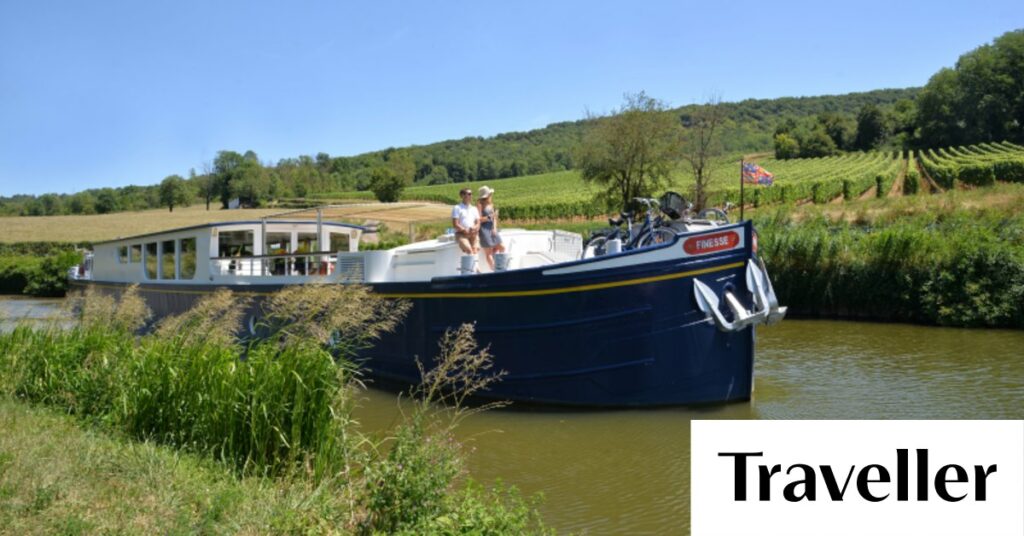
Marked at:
<point>627,336</point>
<point>640,344</point>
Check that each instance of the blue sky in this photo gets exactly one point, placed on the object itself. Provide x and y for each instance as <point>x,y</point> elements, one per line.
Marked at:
<point>114,93</point>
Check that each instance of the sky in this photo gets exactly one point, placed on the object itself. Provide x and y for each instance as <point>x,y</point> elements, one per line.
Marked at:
<point>111,93</point>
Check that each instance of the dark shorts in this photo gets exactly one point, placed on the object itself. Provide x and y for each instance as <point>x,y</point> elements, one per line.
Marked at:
<point>489,238</point>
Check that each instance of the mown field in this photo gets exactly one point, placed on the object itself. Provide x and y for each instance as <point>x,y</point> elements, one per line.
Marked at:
<point>98,227</point>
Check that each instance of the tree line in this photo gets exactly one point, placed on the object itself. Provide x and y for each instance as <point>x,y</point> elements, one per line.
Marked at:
<point>747,126</point>
<point>979,100</point>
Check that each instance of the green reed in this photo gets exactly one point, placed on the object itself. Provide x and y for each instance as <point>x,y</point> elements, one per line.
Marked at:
<point>953,267</point>
<point>277,406</point>
<point>269,407</point>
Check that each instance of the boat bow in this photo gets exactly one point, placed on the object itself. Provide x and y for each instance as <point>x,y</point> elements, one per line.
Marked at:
<point>765,310</point>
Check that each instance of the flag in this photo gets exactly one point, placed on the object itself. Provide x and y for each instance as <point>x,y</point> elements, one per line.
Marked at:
<point>755,174</point>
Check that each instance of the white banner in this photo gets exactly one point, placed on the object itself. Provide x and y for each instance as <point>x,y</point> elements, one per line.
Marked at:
<point>857,478</point>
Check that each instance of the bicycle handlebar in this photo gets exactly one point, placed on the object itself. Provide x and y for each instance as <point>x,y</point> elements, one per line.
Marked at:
<point>651,203</point>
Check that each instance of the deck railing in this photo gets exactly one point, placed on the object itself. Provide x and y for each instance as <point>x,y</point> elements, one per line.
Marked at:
<point>311,264</point>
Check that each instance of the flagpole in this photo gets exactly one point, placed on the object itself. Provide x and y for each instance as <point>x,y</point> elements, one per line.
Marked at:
<point>741,188</point>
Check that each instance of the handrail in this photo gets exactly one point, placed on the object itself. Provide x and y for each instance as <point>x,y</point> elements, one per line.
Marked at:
<point>275,256</point>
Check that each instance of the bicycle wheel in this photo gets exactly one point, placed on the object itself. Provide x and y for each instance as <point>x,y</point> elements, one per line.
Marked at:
<point>595,247</point>
<point>713,214</point>
<point>658,235</point>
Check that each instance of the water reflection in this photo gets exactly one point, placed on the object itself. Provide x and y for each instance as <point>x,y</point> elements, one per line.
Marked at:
<point>15,309</point>
<point>628,471</point>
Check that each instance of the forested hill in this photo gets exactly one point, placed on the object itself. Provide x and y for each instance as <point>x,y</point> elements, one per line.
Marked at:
<point>750,126</point>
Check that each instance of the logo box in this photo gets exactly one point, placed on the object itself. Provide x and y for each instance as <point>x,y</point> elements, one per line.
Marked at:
<point>857,477</point>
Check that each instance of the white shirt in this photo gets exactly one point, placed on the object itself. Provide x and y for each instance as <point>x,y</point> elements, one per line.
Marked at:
<point>467,215</point>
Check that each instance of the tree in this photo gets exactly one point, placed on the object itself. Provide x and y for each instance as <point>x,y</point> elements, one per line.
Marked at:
<point>871,128</point>
<point>631,152</point>
<point>174,191</point>
<point>82,203</point>
<point>241,176</point>
<point>225,170</point>
<point>252,184</point>
<point>206,184</point>
<point>980,100</point>
<point>902,122</point>
<point>106,201</point>
<point>386,185</point>
<point>438,175</point>
<point>817,143</point>
<point>786,146</point>
<point>840,127</point>
<point>52,204</point>
<point>700,146</point>
<point>400,162</point>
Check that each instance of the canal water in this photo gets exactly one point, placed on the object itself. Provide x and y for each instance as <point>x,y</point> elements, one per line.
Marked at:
<point>628,471</point>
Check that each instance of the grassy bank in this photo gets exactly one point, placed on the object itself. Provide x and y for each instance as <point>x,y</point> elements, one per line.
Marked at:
<point>952,266</point>
<point>277,410</point>
<point>59,476</point>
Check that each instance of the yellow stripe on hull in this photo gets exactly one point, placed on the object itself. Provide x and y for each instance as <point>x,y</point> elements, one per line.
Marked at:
<point>493,294</point>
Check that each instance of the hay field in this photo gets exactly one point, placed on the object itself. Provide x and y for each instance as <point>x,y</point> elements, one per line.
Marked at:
<point>98,227</point>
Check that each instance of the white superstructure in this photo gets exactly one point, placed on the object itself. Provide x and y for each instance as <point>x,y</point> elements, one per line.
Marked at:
<point>286,252</point>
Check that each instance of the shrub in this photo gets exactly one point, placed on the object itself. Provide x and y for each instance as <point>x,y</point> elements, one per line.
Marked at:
<point>37,276</point>
<point>1010,170</point>
<point>823,191</point>
<point>960,269</point>
<point>910,182</point>
<point>977,174</point>
<point>386,185</point>
<point>945,175</point>
<point>786,146</point>
<point>408,487</point>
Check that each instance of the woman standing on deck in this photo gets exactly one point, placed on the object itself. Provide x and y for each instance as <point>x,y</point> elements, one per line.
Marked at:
<point>490,240</point>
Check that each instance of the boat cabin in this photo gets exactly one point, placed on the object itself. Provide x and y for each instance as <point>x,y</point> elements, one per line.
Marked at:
<point>289,252</point>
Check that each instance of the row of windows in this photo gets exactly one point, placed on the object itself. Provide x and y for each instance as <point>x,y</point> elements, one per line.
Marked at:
<point>176,259</point>
<point>168,259</point>
<point>240,243</point>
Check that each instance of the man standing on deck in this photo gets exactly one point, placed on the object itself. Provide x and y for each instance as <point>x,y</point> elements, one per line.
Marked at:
<point>466,221</point>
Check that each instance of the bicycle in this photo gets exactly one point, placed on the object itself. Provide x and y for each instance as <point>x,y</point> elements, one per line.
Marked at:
<point>653,231</point>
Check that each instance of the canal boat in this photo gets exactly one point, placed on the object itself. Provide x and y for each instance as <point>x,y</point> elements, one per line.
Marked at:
<point>667,324</point>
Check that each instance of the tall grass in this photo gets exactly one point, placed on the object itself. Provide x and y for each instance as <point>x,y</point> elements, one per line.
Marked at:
<point>279,406</point>
<point>954,267</point>
<point>409,489</point>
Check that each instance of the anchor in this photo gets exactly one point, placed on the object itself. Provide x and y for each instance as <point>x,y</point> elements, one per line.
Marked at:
<point>766,308</point>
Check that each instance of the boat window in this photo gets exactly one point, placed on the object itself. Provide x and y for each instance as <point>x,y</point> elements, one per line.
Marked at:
<point>167,259</point>
<point>136,253</point>
<point>188,258</point>
<point>122,254</point>
<point>279,243</point>
<point>339,242</point>
<point>151,260</point>
<point>235,244</point>
<point>307,243</point>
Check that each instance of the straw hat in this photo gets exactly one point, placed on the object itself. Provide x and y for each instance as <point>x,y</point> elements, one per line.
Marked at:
<point>484,192</point>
